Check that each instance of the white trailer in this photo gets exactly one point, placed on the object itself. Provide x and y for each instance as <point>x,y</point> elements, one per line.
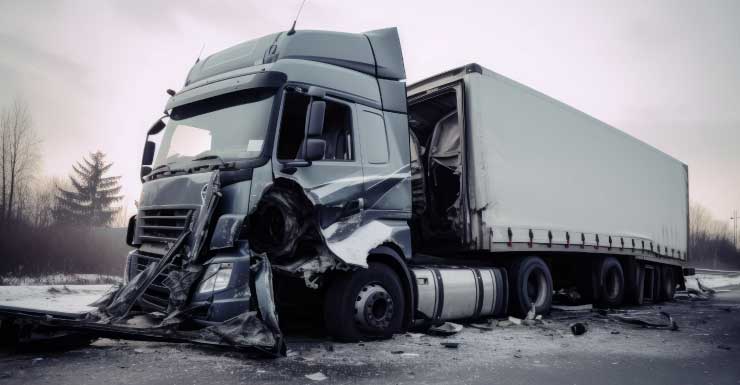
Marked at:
<point>539,178</point>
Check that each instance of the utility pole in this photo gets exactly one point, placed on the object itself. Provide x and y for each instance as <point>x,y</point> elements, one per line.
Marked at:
<point>734,219</point>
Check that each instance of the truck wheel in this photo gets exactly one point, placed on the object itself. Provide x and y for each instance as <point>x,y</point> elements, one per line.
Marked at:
<point>367,303</point>
<point>611,282</point>
<point>667,283</point>
<point>531,283</point>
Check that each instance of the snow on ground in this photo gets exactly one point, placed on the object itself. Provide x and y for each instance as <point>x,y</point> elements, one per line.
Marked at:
<point>713,280</point>
<point>64,298</point>
<point>59,279</point>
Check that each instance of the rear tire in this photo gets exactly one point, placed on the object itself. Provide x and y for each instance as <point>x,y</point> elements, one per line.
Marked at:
<point>610,282</point>
<point>530,282</point>
<point>367,303</point>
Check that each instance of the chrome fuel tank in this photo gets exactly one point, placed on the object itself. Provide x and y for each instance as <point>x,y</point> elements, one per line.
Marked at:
<point>447,293</point>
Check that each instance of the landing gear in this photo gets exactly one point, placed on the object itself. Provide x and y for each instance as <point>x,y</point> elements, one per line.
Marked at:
<point>531,283</point>
<point>367,303</point>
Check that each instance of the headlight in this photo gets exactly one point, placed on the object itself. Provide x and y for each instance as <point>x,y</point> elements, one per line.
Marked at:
<point>216,278</point>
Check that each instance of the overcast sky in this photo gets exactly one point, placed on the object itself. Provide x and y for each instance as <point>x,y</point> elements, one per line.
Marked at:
<point>667,72</point>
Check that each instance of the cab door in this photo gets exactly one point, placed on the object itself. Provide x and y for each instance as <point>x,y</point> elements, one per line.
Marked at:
<point>334,181</point>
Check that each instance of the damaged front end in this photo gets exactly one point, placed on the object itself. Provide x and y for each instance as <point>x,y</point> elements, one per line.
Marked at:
<point>225,300</point>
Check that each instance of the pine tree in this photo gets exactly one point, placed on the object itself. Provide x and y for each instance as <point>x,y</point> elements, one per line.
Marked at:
<point>91,198</point>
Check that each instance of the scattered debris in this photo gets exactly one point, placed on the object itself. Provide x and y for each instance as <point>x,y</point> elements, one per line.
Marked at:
<point>504,323</point>
<point>515,321</point>
<point>568,296</point>
<point>578,328</point>
<point>488,325</point>
<point>615,331</point>
<point>573,308</point>
<point>318,376</point>
<point>646,321</point>
<point>450,345</point>
<point>725,347</point>
<point>409,354</point>
<point>396,351</point>
<point>446,329</point>
<point>531,313</point>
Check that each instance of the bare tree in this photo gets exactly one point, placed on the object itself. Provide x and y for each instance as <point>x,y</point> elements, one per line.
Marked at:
<point>19,145</point>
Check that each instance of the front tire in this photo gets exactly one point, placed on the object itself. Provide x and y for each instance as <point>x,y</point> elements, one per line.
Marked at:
<point>531,283</point>
<point>367,303</point>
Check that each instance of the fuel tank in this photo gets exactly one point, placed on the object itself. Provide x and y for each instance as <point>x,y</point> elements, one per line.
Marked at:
<point>448,293</point>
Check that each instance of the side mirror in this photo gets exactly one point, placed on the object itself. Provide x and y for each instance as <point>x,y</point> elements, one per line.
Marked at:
<point>156,127</point>
<point>148,157</point>
<point>315,149</point>
<point>316,119</point>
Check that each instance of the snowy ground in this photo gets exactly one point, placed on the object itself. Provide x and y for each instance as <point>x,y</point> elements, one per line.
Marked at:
<point>713,281</point>
<point>66,298</point>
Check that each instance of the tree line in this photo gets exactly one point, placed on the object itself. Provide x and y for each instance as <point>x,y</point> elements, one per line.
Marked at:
<point>51,225</point>
<point>711,243</point>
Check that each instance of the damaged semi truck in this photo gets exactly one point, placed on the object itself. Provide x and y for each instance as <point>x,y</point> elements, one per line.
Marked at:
<point>297,174</point>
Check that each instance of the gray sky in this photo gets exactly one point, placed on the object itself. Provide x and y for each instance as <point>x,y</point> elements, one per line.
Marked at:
<point>666,72</point>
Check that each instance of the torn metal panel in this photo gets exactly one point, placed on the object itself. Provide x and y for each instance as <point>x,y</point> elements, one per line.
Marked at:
<point>127,296</point>
<point>226,231</point>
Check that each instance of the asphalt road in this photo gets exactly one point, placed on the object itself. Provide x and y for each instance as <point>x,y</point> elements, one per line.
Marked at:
<point>705,350</point>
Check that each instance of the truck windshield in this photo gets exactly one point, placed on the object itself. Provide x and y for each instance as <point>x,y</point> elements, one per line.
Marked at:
<point>230,126</point>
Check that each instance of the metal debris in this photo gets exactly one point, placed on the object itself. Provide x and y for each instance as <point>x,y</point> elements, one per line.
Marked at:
<point>573,308</point>
<point>450,345</point>
<point>515,321</point>
<point>446,329</point>
<point>645,320</point>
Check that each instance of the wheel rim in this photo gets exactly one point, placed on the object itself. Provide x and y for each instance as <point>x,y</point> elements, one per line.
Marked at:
<point>537,287</point>
<point>612,284</point>
<point>373,307</point>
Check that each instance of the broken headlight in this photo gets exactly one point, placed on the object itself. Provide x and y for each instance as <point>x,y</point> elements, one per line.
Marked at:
<point>216,278</point>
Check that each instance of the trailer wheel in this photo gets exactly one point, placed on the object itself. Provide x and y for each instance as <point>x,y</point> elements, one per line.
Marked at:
<point>531,283</point>
<point>367,303</point>
<point>611,282</point>
<point>667,283</point>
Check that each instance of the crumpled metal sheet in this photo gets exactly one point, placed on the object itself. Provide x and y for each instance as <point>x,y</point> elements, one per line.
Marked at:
<point>254,329</point>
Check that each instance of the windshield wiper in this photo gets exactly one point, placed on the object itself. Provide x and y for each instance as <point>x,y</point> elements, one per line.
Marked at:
<point>216,157</point>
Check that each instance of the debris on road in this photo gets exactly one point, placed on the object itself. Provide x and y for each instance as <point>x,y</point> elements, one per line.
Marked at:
<point>573,308</point>
<point>645,320</point>
<point>318,376</point>
<point>567,296</point>
<point>515,321</point>
<point>724,347</point>
<point>450,345</point>
<point>446,329</point>
<point>488,325</point>
<point>578,328</point>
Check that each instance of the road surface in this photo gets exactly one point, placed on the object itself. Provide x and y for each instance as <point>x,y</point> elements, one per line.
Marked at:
<point>705,350</point>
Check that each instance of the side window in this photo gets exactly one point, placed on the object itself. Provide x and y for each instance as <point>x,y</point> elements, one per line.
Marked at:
<point>338,132</point>
<point>293,125</point>
<point>374,138</point>
<point>337,129</point>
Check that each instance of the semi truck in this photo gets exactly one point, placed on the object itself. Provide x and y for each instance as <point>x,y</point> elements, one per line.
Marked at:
<point>297,174</point>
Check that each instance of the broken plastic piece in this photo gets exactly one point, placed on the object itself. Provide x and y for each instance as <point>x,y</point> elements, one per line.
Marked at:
<point>446,329</point>
<point>578,329</point>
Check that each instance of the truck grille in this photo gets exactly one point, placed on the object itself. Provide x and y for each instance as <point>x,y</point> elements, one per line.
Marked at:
<point>157,295</point>
<point>157,228</point>
<point>162,225</point>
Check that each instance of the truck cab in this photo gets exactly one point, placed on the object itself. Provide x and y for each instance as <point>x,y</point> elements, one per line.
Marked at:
<point>308,132</point>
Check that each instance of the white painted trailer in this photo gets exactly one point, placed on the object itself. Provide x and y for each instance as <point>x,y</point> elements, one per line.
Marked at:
<point>542,175</point>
